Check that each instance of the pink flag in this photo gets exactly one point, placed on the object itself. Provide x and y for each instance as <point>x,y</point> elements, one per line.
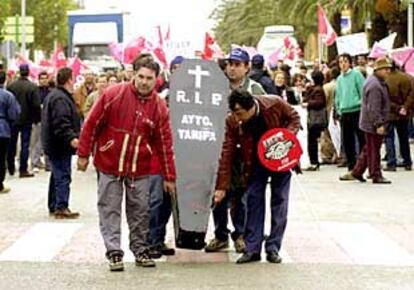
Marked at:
<point>409,65</point>
<point>274,57</point>
<point>402,55</point>
<point>325,29</point>
<point>58,58</point>
<point>116,50</point>
<point>77,66</point>
<point>377,51</point>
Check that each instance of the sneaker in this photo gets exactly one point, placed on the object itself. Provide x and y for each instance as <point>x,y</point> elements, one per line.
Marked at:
<point>216,245</point>
<point>116,263</point>
<point>381,180</point>
<point>36,170</point>
<point>5,190</point>
<point>65,214</point>
<point>144,260</point>
<point>239,245</point>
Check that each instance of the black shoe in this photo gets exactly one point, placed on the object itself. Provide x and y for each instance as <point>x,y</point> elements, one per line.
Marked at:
<point>144,260</point>
<point>389,168</point>
<point>407,168</point>
<point>273,257</point>
<point>248,258</point>
<point>381,180</point>
<point>154,252</point>
<point>25,174</point>
<point>166,251</point>
<point>314,167</point>
<point>116,263</point>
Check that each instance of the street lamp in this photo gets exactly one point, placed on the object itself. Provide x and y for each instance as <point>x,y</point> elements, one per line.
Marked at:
<point>24,27</point>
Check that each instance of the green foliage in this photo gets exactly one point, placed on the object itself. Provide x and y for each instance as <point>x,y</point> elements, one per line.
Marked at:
<point>243,21</point>
<point>50,20</point>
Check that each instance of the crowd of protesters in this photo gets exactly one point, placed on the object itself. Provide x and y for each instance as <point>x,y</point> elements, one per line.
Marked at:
<point>370,101</point>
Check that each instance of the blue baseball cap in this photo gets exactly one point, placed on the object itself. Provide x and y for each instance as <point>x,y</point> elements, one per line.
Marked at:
<point>258,59</point>
<point>239,54</point>
<point>177,60</point>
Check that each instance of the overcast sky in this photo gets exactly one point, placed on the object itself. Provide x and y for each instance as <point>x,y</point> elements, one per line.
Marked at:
<point>185,16</point>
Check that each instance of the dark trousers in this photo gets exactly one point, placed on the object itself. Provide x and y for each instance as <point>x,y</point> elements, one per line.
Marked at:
<point>59,184</point>
<point>256,202</point>
<point>402,132</point>
<point>25,132</point>
<point>237,204</point>
<point>313,135</point>
<point>4,143</point>
<point>160,210</point>
<point>370,157</point>
<point>350,129</point>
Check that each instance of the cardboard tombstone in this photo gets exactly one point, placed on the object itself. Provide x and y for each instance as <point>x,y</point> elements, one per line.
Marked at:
<point>198,108</point>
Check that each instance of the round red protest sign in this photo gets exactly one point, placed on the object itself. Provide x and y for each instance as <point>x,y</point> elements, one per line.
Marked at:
<point>279,150</point>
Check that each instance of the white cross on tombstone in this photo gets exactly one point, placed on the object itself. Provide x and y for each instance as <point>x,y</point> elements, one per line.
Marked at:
<point>198,72</point>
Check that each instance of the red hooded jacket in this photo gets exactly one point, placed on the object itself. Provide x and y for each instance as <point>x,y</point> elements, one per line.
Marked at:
<point>123,130</point>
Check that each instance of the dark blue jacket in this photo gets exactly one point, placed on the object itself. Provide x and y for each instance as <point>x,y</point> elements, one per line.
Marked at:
<point>60,123</point>
<point>263,78</point>
<point>9,112</point>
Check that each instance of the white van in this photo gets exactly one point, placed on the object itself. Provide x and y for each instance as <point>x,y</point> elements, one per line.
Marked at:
<point>273,37</point>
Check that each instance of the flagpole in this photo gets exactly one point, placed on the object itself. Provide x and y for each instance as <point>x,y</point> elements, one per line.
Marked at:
<point>320,48</point>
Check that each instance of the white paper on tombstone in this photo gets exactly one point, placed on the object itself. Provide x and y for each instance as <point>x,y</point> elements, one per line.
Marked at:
<point>354,44</point>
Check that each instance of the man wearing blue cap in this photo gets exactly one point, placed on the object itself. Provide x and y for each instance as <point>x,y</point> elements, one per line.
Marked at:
<point>237,68</point>
<point>259,74</point>
<point>28,97</point>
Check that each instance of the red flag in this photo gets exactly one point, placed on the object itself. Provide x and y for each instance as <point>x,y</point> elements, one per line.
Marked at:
<point>167,36</point>
<point>58,58</point>
<point>160,37</point>
<point>133,49</point>
<point>160,54</point>
<point>325,29</point>
<point>208,51</point>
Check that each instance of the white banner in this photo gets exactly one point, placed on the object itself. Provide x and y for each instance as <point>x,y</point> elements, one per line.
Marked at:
<point>354,44</point>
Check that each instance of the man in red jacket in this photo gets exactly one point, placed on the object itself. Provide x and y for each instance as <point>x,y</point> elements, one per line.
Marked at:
<point>252,117</point>
<point>126,126</point>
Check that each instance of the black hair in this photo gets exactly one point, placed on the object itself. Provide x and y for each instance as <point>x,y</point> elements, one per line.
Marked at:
<point>42,73</point>
<point>335,72</point>
<point>141,58</point>
<point>148,63</point>
<point>317,77</point>
<point>24,73</point>
<point>347,56</point>
<point>2,77</point>
<point>63,76</point>
<point>241,97</point>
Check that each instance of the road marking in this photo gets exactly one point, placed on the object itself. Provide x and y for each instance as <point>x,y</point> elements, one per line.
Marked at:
<point>366,245</point>
<point>41,243</point>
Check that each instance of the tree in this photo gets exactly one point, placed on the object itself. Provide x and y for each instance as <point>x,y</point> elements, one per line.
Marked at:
<point>50,20</point>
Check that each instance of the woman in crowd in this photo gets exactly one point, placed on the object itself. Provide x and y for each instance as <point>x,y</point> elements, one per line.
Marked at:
<point>279,78</point>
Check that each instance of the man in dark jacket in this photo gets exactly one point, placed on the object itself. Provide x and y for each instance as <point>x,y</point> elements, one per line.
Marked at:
<point>9,112</point>
<point>27,95</point>
<point>375,108</point>
<point>251,117</point>
<point>260,75</point>
<point>401,90</point>
<point>60,139</point>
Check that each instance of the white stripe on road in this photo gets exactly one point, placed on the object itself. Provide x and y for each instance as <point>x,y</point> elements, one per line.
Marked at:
<point>366,245</point>
<point>41,243</point>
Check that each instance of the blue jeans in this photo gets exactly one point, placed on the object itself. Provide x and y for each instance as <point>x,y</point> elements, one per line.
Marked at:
<point>280,187</point>
<point>236,201</point>
<point>402,132</point>
<point>59,184</point>
<point>25,132</point>
<point>160,210</point>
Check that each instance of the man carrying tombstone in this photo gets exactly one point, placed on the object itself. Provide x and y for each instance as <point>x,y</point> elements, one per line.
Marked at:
<point>250,118</point>
<point>128,124</point>
<point>237,69</point>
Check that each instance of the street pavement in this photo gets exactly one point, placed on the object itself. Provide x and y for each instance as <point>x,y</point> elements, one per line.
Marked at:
<point>340,235</point>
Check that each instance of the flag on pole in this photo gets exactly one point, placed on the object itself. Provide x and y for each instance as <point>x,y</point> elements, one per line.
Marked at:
<point>325,29</point>
<point>58,58</point>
